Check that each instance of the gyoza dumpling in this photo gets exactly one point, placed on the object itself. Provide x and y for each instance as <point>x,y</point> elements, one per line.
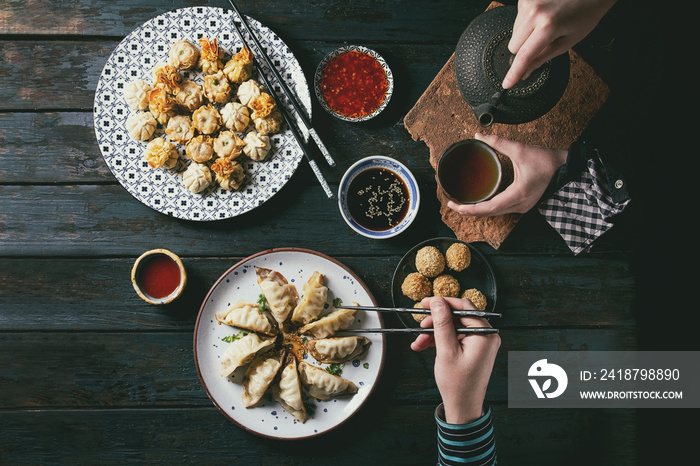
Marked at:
<point>242,351</point>
<point>248,316</point>
<point>309,307</point>
<point>190,96</point>
<point>207,119</point>
<point>249,90</point>
<point>217,88</point>
<point>337,350</point>
<point>229,174</point>
<point>197,177</point>
<point>260,375</point>
<point>184,55</point>
<point>235,116</point>
<point>281,296</point>
<point>180,129</point>
<point>240,67</point>
<point>141,125</point>
<point>210,56</point>
<point>323,385</point>
<point>136,94</point>
<point>326,326</point>
<point>257,146</point>
<point>287,391</point>
<point>161,154</point>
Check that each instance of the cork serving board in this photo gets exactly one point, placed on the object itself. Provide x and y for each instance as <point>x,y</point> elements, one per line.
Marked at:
<point>442,117</point>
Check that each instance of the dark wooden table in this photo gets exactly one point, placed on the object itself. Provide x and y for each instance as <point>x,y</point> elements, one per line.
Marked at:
<point>91,374</point>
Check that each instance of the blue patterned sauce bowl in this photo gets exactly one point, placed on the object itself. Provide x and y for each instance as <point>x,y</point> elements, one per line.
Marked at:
<point>378,197</point>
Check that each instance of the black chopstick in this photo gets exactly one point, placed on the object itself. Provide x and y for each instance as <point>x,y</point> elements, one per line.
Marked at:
<point>283,85</point>
<point>461,331</point>
<point>417,310</point>
<point>300,141</point>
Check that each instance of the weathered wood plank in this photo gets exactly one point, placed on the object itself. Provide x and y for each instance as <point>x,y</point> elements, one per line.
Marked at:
<point>70,294</point>
<point>114,369</point>
<point>548,437</point>
<point>335,21</point>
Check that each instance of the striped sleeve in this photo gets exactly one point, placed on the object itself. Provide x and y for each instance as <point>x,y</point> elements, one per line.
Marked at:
<point>471,444</point>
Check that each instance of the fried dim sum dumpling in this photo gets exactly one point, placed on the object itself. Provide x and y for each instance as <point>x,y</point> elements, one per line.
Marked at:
<point>270,124</point>
<point>327,325</point>
<point>161,154</point>
<point>249,316</point>
<point>314,295</point>
<point>136,94</point>
<point>338,349</point>
<point>240,67</point>
<point>281,296</point>
<point>235,116</point>
<point>323,385</point>
<point>167,78</point>
<point>210,58</point>
<point>287,391</point>
<point>161,104</point>
<point>228,173</point>
<point>207,119</point>
<point>257,146</point>
<point>197,177</point>
<point>190,96</point>
<point>141,125</point>
<point>260,375</point>
<point>242,351</point>
<point>184,55</point>
<point>200,148</point>
<point>180,129</point>
<point>249,90</point>
<point>216,88</point>
<point>228,145</point>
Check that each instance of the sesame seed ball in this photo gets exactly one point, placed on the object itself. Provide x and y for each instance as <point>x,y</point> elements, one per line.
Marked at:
<point>458,256</point>
<point>419,317</point>
<point>416,287</point>
<point>446,285</point>
<point>430,261</point>
<point>476,297</point>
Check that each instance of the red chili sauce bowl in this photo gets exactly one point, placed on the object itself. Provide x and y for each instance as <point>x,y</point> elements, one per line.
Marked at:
<point>353,83</point>
<point>158,276</point>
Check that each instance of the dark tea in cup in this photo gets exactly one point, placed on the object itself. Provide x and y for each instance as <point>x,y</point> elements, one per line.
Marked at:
<point>469,171</point>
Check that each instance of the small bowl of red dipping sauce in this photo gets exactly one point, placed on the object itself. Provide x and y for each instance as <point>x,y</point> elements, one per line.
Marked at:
<point>158,276</point>
<point>353,83</point>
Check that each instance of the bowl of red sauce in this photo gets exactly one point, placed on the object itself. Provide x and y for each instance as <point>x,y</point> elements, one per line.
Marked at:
<point>158,276</point>
<point>353,83</point>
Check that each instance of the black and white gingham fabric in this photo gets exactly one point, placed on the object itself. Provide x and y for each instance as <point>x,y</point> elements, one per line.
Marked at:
<point>582,210</point>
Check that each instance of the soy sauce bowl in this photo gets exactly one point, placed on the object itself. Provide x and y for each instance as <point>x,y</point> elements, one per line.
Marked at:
<point>158,276</point>
<point>346,90</point>
<point>391,181</point>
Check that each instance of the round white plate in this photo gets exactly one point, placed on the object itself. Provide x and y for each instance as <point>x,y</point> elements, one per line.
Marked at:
<point>160,189</point>
<point>268,418</point>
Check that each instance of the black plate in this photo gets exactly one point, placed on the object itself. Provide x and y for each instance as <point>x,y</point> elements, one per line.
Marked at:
<point>478,275</point>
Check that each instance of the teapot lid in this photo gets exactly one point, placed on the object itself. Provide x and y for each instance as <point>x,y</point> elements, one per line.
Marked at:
<point>482,60</point>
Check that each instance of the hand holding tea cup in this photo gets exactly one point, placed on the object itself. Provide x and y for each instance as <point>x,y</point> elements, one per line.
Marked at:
<point>533,168</point>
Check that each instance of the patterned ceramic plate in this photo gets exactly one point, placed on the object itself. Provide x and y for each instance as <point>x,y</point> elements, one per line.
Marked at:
<point>162,190</point>
<point>268,418</point>
<point>478,274</point>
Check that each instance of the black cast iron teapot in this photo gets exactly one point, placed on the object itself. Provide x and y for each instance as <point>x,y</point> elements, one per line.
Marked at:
<point>482,60</point>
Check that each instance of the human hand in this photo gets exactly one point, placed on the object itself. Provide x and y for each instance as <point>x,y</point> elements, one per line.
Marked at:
<point>463,363</point>
<point>544,29</point>
<point>533,168</point>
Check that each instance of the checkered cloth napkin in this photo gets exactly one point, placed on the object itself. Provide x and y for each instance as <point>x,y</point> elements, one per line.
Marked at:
<point>582,210</point>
